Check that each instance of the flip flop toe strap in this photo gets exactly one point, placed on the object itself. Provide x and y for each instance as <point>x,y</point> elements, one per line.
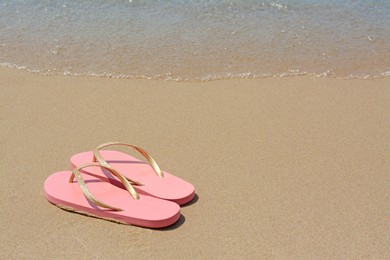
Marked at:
<point>76,173</point>
<point>98,157</point>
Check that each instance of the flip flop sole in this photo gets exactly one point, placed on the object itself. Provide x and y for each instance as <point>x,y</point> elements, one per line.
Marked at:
<point>145,212</point>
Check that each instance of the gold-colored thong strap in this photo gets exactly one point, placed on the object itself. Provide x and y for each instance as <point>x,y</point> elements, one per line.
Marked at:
<point>98,157</point>
<point>76,173</point>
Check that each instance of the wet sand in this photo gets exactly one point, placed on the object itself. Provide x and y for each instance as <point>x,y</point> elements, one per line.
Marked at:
<point>284,168</point>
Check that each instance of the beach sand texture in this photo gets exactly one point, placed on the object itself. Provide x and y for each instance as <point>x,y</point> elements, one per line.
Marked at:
<point>284,168</point>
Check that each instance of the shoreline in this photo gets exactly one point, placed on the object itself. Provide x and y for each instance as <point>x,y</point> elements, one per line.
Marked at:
<point>294,167</point>
<point>385,74</point>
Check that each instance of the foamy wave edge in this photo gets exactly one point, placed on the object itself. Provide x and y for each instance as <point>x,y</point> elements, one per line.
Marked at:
<point>211,77</point>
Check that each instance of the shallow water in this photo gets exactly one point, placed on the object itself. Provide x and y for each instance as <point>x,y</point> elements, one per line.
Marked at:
<point>197,40</point>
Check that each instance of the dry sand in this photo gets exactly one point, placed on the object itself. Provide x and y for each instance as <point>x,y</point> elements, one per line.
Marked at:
<point>284,168</point>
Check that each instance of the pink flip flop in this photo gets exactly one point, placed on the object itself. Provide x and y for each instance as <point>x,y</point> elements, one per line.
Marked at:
<point>147,178</point>
<point>134,209</point>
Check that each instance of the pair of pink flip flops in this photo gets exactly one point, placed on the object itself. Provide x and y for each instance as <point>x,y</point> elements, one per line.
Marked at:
<point>116,186</point>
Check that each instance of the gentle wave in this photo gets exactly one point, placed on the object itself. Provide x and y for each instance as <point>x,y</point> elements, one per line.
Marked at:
<point>197,40</point>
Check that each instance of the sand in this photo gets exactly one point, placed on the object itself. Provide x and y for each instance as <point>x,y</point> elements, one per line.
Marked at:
<point>284,168</point>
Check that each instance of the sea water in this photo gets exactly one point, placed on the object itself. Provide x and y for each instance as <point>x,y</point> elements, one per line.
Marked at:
<point>197,40</point>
